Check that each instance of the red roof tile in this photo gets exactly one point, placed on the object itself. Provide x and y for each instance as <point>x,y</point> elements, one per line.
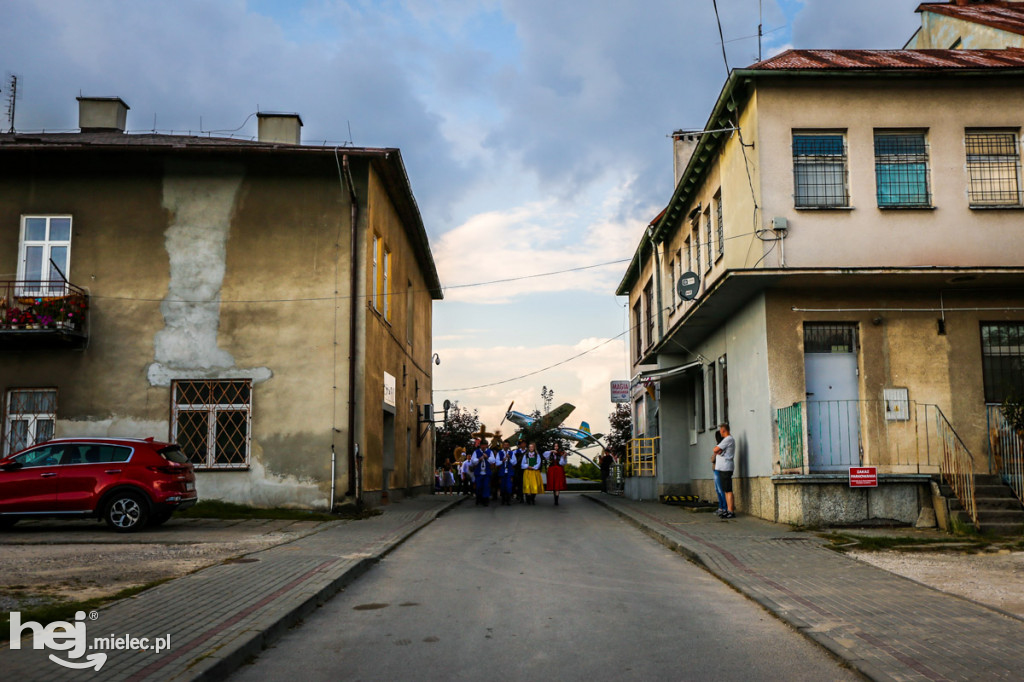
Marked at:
<point>1008,18</point>
<point>832,60</point>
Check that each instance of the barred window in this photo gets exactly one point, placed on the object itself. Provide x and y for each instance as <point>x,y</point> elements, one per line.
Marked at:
<point>721,225</point>
<point>819,171</point>
<point>830,337</point>
<point>901,169</point>
<point>30,416</point>
<point>1002,360</point>
<point>708,234</point>
<point>649,312</point>
<point>993,167</point>
<point>212,422</point>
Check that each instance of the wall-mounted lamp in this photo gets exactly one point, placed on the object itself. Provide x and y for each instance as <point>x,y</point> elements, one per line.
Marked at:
<point>436,359</point>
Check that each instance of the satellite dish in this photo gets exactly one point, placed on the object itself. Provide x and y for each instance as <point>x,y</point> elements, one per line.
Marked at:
<point>688,286</point>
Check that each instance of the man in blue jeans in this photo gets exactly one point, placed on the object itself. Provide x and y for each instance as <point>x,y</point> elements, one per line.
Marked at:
<point>724,461</point>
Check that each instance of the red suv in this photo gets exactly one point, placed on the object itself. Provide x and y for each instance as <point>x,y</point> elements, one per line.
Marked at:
<point>128,483</point>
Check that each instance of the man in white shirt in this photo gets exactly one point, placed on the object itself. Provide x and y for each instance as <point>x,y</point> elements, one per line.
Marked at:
<point>724,461</point>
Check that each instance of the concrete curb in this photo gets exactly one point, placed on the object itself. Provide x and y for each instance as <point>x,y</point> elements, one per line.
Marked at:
<point>250,642</point>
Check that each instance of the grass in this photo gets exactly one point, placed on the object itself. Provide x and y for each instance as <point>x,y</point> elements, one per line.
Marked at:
<point>64,610</point>
<point>216,509</point>
<point>844,542</point>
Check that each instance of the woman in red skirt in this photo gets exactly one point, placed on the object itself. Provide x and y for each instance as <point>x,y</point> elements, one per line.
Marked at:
<point>556,470</point>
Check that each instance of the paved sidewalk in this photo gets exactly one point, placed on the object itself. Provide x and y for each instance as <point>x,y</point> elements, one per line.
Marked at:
<point>885,626</point>
<point>220,616</point>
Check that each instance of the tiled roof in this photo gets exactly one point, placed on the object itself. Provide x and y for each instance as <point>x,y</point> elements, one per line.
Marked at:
<point>1008,18</point>
<point>834,60</point>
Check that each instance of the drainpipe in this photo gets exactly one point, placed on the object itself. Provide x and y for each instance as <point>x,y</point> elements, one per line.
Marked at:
<point>353,459</point>
<point>657,282</point>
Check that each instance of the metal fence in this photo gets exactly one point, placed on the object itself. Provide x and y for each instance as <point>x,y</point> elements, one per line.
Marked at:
<point>642,457</point>
<point>1006,450</point>
<point>896,435</point>
<point>26,304</point>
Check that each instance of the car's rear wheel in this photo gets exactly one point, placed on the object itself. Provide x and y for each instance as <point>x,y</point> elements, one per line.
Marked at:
<point>126,512</point>
<point>159,519</point>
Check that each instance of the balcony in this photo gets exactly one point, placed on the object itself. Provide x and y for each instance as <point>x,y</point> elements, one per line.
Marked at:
<point>43,315</point>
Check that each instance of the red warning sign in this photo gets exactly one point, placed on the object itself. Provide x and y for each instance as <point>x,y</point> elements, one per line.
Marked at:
<point>863,477</point>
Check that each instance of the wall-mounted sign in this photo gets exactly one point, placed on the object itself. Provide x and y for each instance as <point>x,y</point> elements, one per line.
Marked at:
<point>863,477</point>
<point>389,390</point>
<point>620,392</point>
<point>688,286</point>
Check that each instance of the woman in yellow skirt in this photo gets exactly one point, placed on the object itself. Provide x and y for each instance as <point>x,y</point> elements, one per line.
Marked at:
<point>533,484</point>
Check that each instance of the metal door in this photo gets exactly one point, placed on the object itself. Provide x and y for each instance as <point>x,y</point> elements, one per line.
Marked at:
<point>833,397</point>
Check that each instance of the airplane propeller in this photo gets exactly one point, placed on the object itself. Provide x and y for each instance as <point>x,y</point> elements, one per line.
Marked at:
<point>507,411</point>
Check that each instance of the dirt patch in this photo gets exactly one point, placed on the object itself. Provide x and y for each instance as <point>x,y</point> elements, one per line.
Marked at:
<point>992,578</point>
<point>45,562</point>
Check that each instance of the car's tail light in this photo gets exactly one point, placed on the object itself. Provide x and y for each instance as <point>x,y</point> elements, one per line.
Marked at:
<point>170,471</point>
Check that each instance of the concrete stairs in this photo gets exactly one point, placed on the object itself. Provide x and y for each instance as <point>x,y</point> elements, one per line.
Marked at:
<point>999,510</point>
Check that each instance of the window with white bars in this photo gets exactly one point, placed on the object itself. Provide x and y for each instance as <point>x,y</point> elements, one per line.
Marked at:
<point>212,422</point>
<point>819,170</point>
<point>901,169</point>
<point>30,416</point>
<point>993,167</point>
<point>720,222</point>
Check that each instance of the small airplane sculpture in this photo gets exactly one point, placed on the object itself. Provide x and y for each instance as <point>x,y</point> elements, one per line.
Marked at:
<point>552,421</point>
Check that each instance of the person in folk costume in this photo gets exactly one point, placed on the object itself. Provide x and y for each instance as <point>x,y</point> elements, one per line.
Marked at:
<point>482,461</point>
<point>466,470</point>
<point>556,470</point>
<point>496,449</point>
<point>517,484</point>
<point>507,466</point>
<point>533,484</point>
<point>448,475</point>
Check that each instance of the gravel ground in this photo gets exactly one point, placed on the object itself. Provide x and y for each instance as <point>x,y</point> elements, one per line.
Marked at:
<point>47,561</point>
<point>992,578</point>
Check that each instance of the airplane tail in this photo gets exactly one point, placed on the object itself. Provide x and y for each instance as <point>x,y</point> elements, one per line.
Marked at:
<point>584,427</point>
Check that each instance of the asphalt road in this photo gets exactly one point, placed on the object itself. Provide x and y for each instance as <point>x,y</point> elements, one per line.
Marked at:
<point>539,593</point>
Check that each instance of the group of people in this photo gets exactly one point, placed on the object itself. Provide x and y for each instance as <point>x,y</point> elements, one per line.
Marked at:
<point>497,471</point>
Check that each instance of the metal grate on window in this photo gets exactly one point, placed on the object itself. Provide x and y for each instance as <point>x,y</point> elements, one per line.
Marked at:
<point>721,225</point>
<point>901,170</point>
<point>819,171</point>
<point>31,415</point>
<point>830,337</point>
<point>1002,360</point>
<point>993,166</point>
<point>708,233</point>
<point>212,422</point>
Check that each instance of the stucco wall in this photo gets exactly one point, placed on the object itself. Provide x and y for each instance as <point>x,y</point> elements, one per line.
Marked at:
<point>940,32</point>
<point>859,106</point>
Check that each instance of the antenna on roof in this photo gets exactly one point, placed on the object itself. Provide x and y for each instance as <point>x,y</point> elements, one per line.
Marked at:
<point>760,25</point>
<point>350,133</point>
<point>12,98</point>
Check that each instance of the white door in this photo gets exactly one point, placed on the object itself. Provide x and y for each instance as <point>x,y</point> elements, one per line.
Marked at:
<point>833,408</point>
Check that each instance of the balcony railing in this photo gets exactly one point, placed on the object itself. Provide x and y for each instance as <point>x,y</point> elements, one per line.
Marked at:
<point>43,314</point>
<point>642,457</point>
<point>897,436</point>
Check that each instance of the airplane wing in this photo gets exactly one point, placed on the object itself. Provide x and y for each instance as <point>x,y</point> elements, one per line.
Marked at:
<point>584,439</point>
<point>555,417</point>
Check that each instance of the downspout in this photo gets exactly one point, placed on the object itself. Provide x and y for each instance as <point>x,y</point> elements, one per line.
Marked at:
<point>353,459</point>
<point>657,283</point>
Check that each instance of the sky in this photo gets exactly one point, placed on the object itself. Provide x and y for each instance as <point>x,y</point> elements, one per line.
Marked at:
<point>535,134</point>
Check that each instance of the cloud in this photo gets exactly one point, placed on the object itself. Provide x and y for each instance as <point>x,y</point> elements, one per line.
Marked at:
<point>868,24</point>
<point>584,381</point>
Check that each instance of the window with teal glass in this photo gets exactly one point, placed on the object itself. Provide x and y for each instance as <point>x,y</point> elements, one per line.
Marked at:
<point>901,170</point>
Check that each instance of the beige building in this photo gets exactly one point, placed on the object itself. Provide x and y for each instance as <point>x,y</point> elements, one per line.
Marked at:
<point>265,304</point>
<point>969,25</point>
<point>838,275</point>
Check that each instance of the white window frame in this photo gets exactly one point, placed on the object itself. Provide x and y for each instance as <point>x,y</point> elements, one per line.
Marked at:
<point>373,272</point>
<point>33,436</point>
<point>46,272</point>
<point>386,284</point>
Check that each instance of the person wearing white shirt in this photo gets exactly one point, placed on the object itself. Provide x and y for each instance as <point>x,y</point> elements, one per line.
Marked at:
<point>481,463</point>
<point>533,484</point>
<point>507,463</point>
<point>556,470</point>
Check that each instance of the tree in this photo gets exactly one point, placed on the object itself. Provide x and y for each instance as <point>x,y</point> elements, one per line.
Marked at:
<point>457,431</point>
<point>621,422</point>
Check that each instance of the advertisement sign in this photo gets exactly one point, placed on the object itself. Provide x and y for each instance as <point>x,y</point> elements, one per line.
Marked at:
<point>620,391</point>
<point>389,390</point>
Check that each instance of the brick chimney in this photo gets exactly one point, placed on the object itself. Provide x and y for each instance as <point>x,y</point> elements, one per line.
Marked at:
<point>279,128</point>
<point>102,114</point>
